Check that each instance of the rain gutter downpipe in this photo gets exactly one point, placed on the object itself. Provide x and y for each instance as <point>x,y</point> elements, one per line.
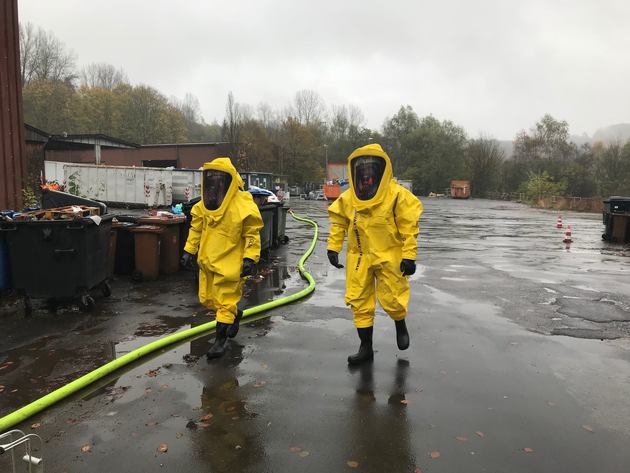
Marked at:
<point>84,381</point>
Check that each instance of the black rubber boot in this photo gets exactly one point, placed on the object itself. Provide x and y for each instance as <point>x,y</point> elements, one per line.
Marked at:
<point>233,329</point>
<point>218,349</point>
<point>365,352</point>
<point>402,336</point>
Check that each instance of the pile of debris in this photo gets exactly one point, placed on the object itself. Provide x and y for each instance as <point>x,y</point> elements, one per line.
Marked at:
<point>68,212</point>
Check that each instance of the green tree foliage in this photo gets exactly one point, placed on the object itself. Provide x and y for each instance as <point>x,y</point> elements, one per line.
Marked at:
<point>613,168</point>
<point>298,153</point>
<point>433,155</point>
<point>146,117</point>
<point>395,131</point>
<point>545,147</point>
<point>483,160</point>
<point>51,106</point>
<point>540,185</point>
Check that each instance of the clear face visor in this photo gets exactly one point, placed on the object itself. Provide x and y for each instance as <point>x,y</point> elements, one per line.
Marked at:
<point>215,187</point>
<point>367,173</point>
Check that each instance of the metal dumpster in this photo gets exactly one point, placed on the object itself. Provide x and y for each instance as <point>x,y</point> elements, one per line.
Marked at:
<point>59,259</point>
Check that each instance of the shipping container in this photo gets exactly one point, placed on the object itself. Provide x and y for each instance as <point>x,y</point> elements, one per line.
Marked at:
<point>147,187</point>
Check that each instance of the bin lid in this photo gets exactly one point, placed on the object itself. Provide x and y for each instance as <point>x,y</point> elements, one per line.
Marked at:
<point>147,229</point>
<point>162,220</point>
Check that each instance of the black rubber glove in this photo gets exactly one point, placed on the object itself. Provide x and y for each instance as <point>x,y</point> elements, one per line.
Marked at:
<point>187,260</point>
<point>248,267</point>
<point>408,267</point>
<point>333,257</point>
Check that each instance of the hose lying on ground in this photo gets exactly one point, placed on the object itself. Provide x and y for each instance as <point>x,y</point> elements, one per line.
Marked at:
<point>84,381</point>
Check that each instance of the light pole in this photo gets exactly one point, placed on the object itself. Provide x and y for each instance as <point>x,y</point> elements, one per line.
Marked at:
<point>326,152</point>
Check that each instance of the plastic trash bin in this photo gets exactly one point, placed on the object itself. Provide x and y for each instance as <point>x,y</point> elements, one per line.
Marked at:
<point>125,257</point>
<point>147,252</point>
<point>59,259</point>
<point>5,269</point>
<point>111,253</point>
<point>170,249</point>
<point>266,232</point>
<point>616,218</point>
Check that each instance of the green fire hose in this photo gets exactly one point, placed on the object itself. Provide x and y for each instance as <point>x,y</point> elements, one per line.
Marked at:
<point>84,381</point>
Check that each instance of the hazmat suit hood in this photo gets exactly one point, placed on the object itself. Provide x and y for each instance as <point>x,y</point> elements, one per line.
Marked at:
<point>369,172</point>
<point>219,184</point>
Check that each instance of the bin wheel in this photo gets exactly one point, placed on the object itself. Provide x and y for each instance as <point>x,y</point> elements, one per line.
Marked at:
<point>86,303</point>
<point>136,275</point>
<point>284,240</point>
<point>106,289</point>
<point>28,307</point>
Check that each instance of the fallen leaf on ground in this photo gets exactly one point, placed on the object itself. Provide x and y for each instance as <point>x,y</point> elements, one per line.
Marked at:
<point>479,433</point>
<point>148,390</point>
<point>417,470</point>
<point>404,401</point>
<point>304,453</point>
<point>259,384</point>
<point>527,450</point>
<point>152,373</point>
<point>434,455</point>
<point>461,438</point>
<point>295,449</point>
<point>36,425</point>
<point>178,436</point>
<point>163,448</point>
<point>352,464</point>
<point>85,448</point>
<point>203,425</point>
<point>419,390</point>
<point>206,417</point>
<point>587,427</point>
<point>152,423</point>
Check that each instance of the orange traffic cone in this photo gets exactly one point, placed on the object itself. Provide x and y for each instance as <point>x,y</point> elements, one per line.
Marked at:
<point>567,238</point>
<point>559,225</point>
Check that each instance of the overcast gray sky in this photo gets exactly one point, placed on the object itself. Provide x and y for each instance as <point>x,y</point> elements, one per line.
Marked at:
<point>494,67</point>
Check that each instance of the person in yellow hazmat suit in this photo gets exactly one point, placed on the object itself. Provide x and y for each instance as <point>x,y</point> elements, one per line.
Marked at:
<point>380,219</point>
<point>225,235</point>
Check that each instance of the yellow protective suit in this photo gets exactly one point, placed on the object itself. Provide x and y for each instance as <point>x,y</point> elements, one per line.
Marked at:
<point>222,238</point>
<point>381,232</point>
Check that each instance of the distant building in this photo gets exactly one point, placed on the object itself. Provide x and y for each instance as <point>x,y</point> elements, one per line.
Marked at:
<point>460,189</point>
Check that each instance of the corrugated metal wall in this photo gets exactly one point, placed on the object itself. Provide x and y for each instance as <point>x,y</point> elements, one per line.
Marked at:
<point>12,144</point>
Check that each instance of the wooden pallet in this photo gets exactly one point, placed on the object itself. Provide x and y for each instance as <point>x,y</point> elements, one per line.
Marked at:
<point>59,213</point>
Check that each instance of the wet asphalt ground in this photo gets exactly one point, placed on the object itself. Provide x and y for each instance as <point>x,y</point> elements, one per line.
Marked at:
<point>519,361</point>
